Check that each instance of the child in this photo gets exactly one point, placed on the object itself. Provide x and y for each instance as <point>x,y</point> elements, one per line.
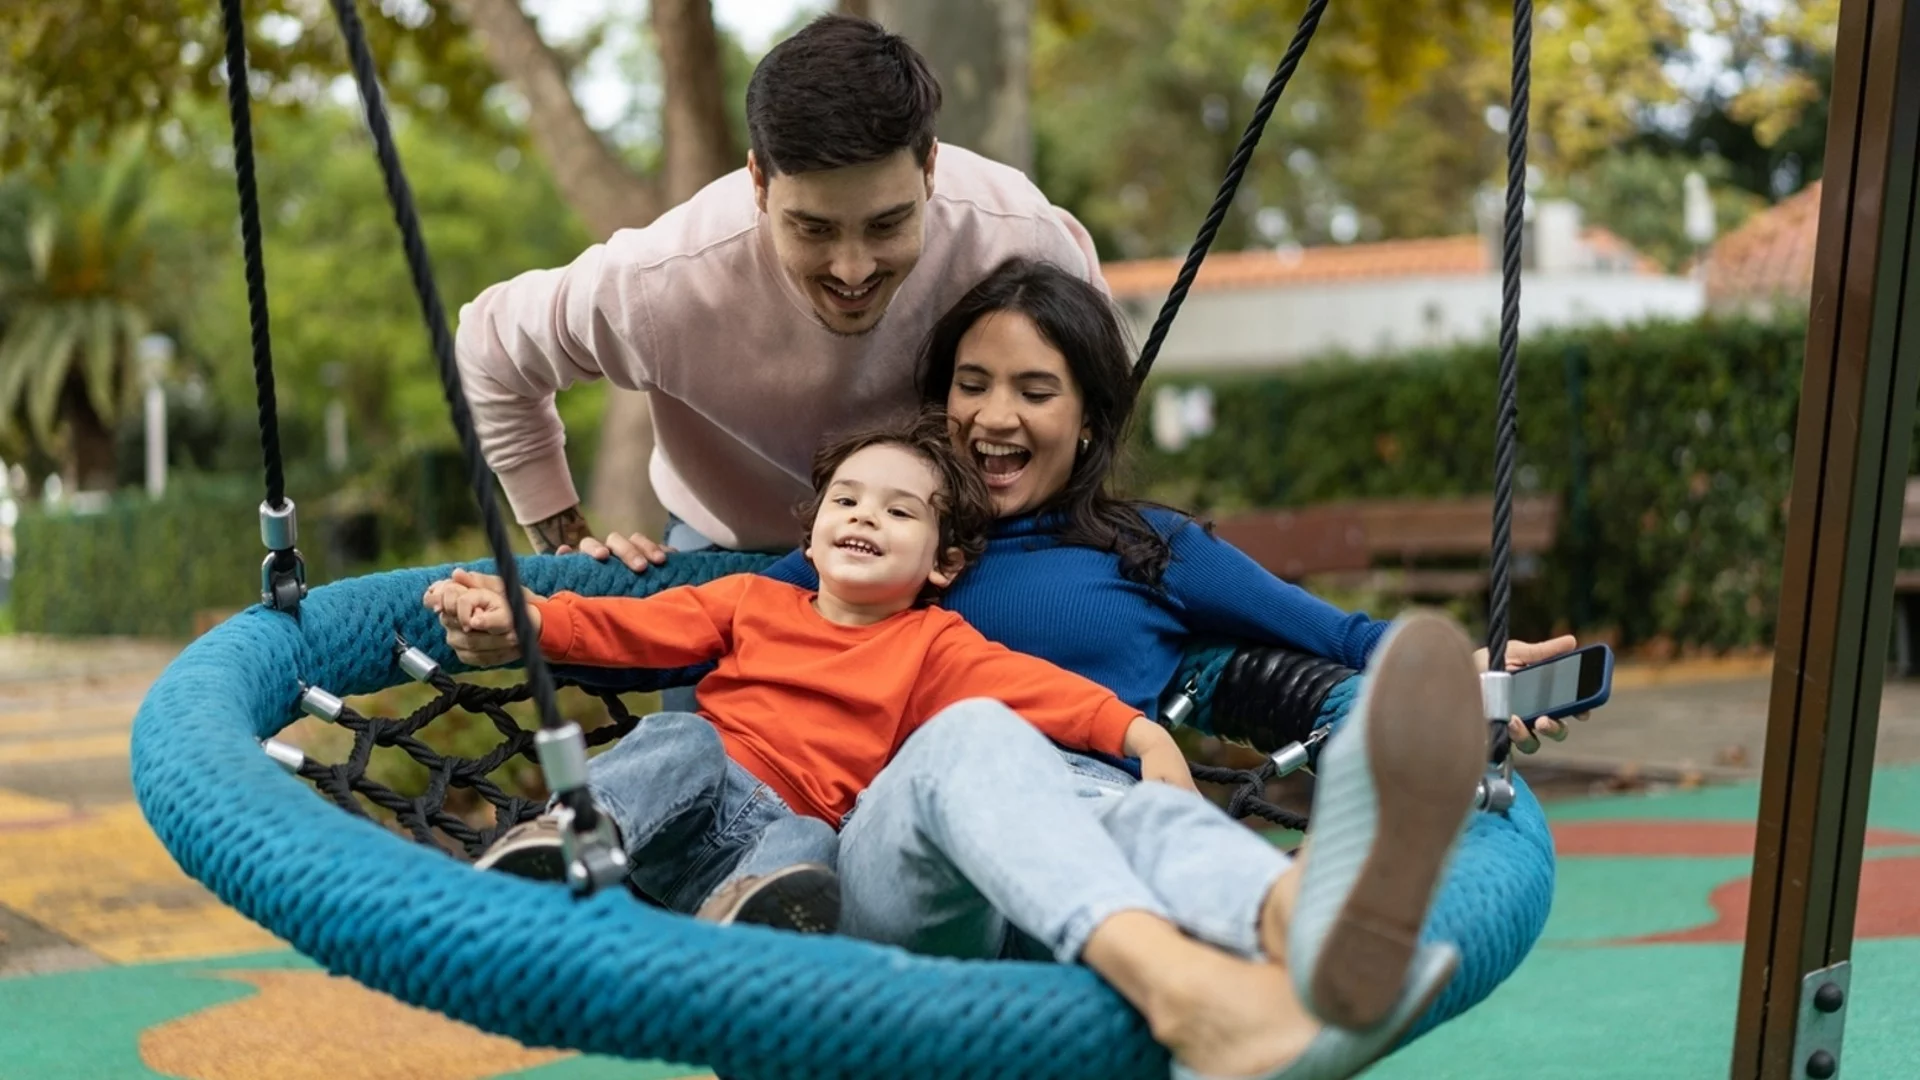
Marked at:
<point>734,812</point>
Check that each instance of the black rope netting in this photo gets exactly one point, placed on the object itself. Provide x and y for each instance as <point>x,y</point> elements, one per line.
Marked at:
<point>421,814</point>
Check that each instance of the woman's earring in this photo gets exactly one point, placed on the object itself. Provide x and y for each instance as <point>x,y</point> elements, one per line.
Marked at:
<point>1084,443</point>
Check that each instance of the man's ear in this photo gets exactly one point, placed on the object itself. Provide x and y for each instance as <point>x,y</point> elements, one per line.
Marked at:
<point>759,182</point>
<point>951,563</point>
<point>933,151</point>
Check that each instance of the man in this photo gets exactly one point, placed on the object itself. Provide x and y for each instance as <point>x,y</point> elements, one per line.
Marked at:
<point>783,302</point>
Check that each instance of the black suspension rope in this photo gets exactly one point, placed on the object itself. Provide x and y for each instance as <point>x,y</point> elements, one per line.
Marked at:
<point>1507,420</point>
<point>479,475</point>
<point>239,107</point>
<point>1236,168</point>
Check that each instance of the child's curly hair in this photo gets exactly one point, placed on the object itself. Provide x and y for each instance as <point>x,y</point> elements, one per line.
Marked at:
<point>962,501</point>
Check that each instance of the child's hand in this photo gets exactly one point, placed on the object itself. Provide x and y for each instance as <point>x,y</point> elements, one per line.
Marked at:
<point>1160,757</point>
<point>484,611</point>
<point>477,647</point>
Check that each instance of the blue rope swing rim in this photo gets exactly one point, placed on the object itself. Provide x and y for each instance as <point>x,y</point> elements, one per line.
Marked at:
<point>609,975</point>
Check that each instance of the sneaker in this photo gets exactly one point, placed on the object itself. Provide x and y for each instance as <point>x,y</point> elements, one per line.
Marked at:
<point>530,849</point>
<point>804,898</point>
<point>1395,789</point>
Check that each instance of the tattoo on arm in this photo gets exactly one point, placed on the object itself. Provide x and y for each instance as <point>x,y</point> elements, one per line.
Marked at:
<point>569,526</point>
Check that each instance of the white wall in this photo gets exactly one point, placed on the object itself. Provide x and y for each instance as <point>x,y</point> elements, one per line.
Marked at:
<point>1237,328</point>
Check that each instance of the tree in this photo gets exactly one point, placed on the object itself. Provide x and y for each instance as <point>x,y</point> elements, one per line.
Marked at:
<point>80,285</point>
<point>1392,123</point>
<point>110,64</point>
<point>979,50</point>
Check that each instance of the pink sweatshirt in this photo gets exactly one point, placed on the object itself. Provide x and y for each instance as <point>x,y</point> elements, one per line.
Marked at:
<point>745,382</point>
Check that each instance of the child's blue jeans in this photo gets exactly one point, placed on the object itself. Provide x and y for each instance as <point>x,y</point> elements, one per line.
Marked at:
<point>690,817</point>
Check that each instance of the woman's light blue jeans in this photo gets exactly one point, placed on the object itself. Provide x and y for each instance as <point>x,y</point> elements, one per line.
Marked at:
<point>979,833</point>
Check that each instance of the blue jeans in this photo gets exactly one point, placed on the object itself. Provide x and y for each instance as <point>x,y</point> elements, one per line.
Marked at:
<point>979,829</point>
<point>691,818</point>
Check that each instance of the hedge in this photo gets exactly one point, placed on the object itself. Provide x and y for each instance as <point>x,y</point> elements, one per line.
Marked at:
<point>1671,445</point>
<point>142,566</point>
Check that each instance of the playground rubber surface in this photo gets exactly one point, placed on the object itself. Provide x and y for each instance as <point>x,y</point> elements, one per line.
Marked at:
<point>114,965</point>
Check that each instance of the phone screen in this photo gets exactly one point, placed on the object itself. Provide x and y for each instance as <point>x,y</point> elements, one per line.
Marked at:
<point>1543,688</point>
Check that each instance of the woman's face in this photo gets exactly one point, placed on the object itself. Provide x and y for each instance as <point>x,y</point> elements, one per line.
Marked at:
<point>1017,410</point>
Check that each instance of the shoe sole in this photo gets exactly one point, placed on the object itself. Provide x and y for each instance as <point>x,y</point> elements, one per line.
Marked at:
<point>540,862</point>
<point>1426,748</point>
<point>805,902</point>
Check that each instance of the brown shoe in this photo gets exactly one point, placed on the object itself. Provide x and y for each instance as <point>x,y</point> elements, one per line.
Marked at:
<point>804,898</point>
<point>530,849</point>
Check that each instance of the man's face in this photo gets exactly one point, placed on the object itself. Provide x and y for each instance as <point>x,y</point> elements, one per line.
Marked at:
<point>848,237</point>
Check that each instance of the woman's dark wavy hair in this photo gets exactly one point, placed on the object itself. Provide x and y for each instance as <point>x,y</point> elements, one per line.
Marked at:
<point>1078,320</point>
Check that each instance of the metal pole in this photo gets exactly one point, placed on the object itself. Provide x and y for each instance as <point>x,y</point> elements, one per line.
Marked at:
<point>1850,463</point>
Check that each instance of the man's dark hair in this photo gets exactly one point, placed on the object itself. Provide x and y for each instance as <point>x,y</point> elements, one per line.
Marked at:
<point>840,92</point>
<point>962,500</point>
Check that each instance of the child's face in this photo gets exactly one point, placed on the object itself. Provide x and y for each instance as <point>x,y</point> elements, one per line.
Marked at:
<point>876,539</point>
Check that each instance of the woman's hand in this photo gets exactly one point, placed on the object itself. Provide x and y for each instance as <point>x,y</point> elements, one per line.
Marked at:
<point>489,642</point>
<point>1160,757</point>
<point>1519,655</point>
<point>637,550</point>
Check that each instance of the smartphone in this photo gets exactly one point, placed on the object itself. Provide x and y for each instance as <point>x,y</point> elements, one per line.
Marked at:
<point>1568,684</point>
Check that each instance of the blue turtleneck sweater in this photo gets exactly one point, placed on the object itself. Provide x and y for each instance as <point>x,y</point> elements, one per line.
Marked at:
<point>1070,605</point>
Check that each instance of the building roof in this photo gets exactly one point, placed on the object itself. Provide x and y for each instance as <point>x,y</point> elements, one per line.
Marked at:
<point>1440,256</point>
<point>1769,257</point>
<point>1253,269</point>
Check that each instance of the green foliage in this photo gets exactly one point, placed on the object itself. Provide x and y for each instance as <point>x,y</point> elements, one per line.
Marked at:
<point>1389,127</point>
<point>1640,195</point>
<point>345,320</point>
<point>82,279</point>
<point>69,69</point>
<point>1687,432</point>
<point>145,567</point>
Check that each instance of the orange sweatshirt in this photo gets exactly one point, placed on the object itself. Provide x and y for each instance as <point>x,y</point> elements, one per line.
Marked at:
<point>813,708</point>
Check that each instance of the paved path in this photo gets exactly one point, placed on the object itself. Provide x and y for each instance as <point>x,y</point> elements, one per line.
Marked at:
<point>1707,722</point>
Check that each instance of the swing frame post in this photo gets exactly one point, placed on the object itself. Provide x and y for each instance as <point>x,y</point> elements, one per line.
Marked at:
<point>1850,463</point>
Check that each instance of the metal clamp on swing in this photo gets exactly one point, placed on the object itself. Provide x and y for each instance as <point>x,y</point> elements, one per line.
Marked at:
<point>414,661</point>
<point>1295,756</point>
<point>281,589</point>
<point>1495,793</point>
<point>593,855</point>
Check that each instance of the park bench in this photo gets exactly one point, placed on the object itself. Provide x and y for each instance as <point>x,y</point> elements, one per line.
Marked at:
<point>1415,549</point>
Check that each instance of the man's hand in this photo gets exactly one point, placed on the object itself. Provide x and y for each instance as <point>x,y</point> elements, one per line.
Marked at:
<point>637,550</point>
<point>478,647</point>
<point>555,534</point>
<point>1519,655</point>
<point>1160,757</point>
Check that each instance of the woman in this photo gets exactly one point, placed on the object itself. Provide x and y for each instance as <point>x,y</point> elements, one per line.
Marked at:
<point>981,839</point>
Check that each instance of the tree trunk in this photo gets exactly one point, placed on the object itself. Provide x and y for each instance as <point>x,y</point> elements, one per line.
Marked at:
<point>979,49</point>
<point>699,150</point>
<point>699,141</point>
<point>92,455</point>
<point>593,180</point>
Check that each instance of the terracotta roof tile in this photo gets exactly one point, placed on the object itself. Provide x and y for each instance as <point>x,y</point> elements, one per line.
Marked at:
<point>1250,269</point>
<point>1769,257</point>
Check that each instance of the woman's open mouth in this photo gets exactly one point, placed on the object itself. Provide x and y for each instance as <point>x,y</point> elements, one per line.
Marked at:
<point>1002,463</point>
